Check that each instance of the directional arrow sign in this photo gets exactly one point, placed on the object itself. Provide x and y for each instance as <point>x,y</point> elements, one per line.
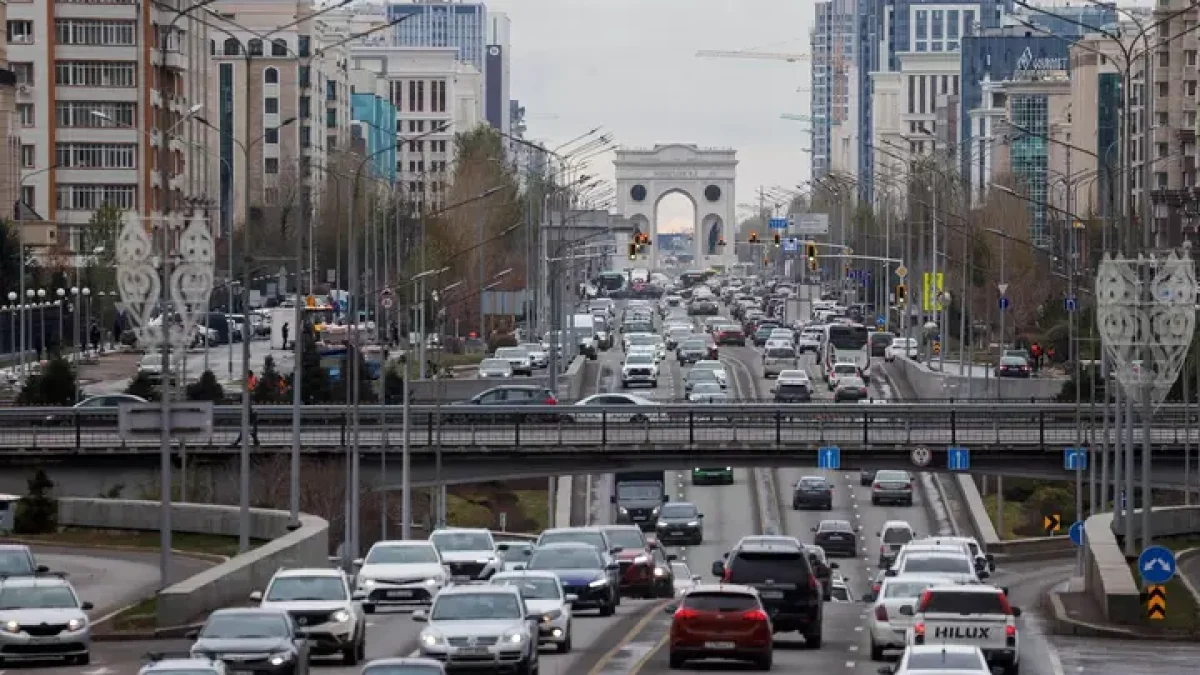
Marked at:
<point>1156,602</point>
<point>958,459</point>
<point>1077,533</point>
<point>829,457</point>
<point>1156,565</point>
<point>1075,459</point>
<point>1003,288</point>
<point>1052,523</point>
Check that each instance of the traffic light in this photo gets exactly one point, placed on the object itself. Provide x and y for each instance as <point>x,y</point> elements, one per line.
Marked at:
<point>902,294</point>
<point>811,251</point>
<point>777,239</point>
<point>633,251</point>
<point>753,237</point>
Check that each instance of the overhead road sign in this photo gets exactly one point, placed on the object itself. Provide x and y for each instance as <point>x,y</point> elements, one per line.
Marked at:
<point>810,223</point>
<point>829,457</point>
<point>1156,564</point>
<point>777,223</point>
<point>958,459</point>
<point>1075,459</point>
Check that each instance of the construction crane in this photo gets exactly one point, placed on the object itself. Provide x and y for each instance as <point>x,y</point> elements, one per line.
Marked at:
<point>770,56</point>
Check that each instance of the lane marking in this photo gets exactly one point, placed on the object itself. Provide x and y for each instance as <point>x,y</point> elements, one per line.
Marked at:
<point>640,663</point>
<point>849,664</point>
<point>637,628</point>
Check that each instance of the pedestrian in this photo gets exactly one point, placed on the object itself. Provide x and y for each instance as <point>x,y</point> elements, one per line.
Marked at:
<point>1035,351</point>
<point>253,431</point>
<point>285,331</point>
<point>251,381</point>
<point>94,334</point>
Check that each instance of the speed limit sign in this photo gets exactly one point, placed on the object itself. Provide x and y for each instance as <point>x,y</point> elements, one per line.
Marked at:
<point>385,298</point>
<point>921,456</point>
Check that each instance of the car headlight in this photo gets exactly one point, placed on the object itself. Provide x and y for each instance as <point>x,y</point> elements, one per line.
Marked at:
<point>623,510</point>
<point>367,582</point>
<point>516,637</point>
<point>280,658</point>
<point>486,561</point>
<point>341,616</point>
<point>434,581</point>
<point>660,572</point>
<point>641,560</point>
<point>598,583</point>
<point>12,627</point>
<point>76,624</point>
<point>432,639</point>
<point>655,510</point>
<point>694,523</point>
<point>551,615</point>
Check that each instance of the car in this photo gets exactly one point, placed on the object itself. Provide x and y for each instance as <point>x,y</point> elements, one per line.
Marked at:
<point>320,602</point>
<point>878,342</point>
<point>836,536</point>
<point>952,567</point>
<point>538,354</point>
<point>812,492</point>
<point>495,369</point>
<point>941,660</point>
<point>17,560</point>
<point>507,395</point>
<point>809,340</point>
<point>640,339</point>
<point>716,367</point>
<point>730,335</point>
<point>985,563</point>
<point>892,608</point>
<point>866,477</point>
<point>821,567</point>
<point>839,590</point>
<point>696,376</point>
<point>892,537</point>
<point>639,368</point>
<point>720,621</point>
<point>975,615</point>
<point>514,554</point>
<point>892,487</point>
<point>43,619</point>
<point>778,359</point>
<point>934,547</point>
<point>468,553</point>
<point>404,665</point>
<point>780,572</point>
<point>664,572</point>
<point>842,369</point>
<point>629,408</point>
<point>480,627</point>
<point>707,392</point>
<point>695,349</point>
<point>637,564</point>
<point>762,333</point>
<point>254,638</point>
<point>901,346</point>
<point>399,573</point>
<point>94,410</point>
<point>518,358</point>
<point>1013,366</point>
<point>850,388</point>
<point>158,663</point>
<point>543,595</point>
<point>680,522</point>
<point>683,579</point>
<point>722,475</point>
<point>589,575</point>
<point>792,386</point>
<point>677,334</point>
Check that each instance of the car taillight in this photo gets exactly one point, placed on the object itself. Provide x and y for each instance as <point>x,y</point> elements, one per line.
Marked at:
<point>919,629</point>
<point>813,584</point>
<point>883,549</point>
<point>881,613</point>
<point>755,615</point>
<point>728,576</point>
<point>875,588</point>
<point>908,486</point>
<point>684,613</point>
<point>1010,631</point>
<point>874,486</point>
<point>551,401</point>
<point>925,598</point>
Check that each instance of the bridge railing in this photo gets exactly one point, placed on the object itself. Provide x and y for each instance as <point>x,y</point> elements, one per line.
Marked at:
<point>808,424</point>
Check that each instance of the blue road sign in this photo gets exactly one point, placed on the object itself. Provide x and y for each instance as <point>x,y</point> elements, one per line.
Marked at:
<point>777,223</point>
<point>1003,302</point>
<point>829,457</point>
<point>1075,459</point>
<point>1076,533</point>
<point>1071,304</point>
<point>958,459</point>
<point>880,321</point>
<point>1156,565</point>
<point>790,245</point>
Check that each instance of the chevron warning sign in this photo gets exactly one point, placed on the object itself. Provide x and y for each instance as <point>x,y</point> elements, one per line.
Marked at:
<point>1156,602</point>
<point>1052,523</point>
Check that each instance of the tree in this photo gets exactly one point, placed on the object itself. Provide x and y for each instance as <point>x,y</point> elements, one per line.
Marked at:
<point>207,388</point>
<point>268,390</point>
<point>10,258</point>
<point>141,386</point>
<point>314,381</point>
<point>98,243</point>
<point>54,386</point>
<point>37,511</point>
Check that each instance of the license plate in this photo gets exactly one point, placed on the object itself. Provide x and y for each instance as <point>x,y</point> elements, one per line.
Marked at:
<point>677,534</point>
<point>241,672</point>
<point>772,595</point>
<point>718,645</point>
<point>473,651</point>
<point>836,537</point>
<point>399,594</point>
<point>43,640</point>
<point>639,517</point>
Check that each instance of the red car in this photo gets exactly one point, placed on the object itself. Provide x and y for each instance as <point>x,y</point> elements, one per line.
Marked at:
<point>635,559</point>
<point>731,335</point>
<point>720,621</point>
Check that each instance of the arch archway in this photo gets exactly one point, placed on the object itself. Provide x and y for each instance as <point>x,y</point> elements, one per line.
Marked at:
<point>675,212</point>
<point>705,175</point>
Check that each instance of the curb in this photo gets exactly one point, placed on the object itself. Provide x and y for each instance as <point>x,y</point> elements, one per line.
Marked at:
<point>171,632</point>
<point>207,557</point>
<point>1187,583</point>
<point>1064,625</point>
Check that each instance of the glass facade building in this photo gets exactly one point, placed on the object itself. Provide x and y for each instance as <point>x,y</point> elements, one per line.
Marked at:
<point>378,129</point>
<point>463,26</point>
<point>1029,158</point>
<point>833,44</point>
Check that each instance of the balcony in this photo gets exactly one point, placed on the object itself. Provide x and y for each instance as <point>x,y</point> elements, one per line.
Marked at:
<point>1186,135</point>
<point>175,60</point>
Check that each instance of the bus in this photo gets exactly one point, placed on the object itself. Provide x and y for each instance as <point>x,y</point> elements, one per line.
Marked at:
<point>845,342</point>
<point>692,277</point>
<point>610,282</point>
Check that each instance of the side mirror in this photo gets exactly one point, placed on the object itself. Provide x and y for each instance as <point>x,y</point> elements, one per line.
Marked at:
<point>666,498</point>
<point>420,616</point>
<point>718,568</point>
<point>503,546</point>
<point>87,606</point>
<point>813,529</point>
<point>774,390</point>
<point>906,610</point>
<point>612,499</point>
<point>670,609</point>
<point>358,562</point>
<point>1016,611</point>
<point>672,557</point>
<point>890,573</point>
<point>991,566</point>
<point>256,596</point>
<point>696,578</point>
<point>192,634</point>
<point>612,567</point>
<point>833,566</point>
<point>725,555</point>
<point>358,596</point>
<point>534,616</point>
<point>1004,590</point>
<point>42,569</point>
<point>571,598</point>
<point>615,550</point>
<point>519,566</point>
<point>700,515</point>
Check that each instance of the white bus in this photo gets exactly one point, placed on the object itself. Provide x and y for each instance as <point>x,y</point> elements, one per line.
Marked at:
<point>845,343</point>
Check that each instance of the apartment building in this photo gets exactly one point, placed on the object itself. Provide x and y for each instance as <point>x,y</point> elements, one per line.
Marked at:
<point>9,172</point>
<point>93,98</point>
<point>280,100</point>
<point>436,96</point>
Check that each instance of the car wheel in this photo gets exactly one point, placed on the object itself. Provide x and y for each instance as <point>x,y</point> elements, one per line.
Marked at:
<point>361,651</point>
<point>676,661</point>
<point>525,667</point>
<point>350,655</point>
<point>876,652</point>
<point>795,506</point>
<point>608,609</point>
<point>83,659</point>
<point>812,640</point>
<point>565,646</point>
<point>909,502</point>
<point>763,662</point>
<point>369,609</point>
<point>874,501</point>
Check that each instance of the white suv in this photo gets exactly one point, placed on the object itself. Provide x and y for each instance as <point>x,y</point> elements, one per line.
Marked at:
<point>397,573</point>
<point>640,368</point>
<point>324,610</point>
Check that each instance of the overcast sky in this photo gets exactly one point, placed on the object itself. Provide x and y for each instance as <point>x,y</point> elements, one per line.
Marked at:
<point>630,66</point>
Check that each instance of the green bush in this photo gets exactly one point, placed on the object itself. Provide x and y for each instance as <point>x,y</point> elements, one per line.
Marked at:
<point>268,390</point>
<point>37,511</point>
<point>141,386</point>
<point>206,389</point>
<point>54,386</point>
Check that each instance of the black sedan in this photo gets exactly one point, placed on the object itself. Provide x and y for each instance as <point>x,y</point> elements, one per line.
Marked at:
<point>821,567</point>
<point>255,639</point>
<point>680,523</point>
<point>1013,366</point>
<point>866,477</point>
<point>812,492</point>
<point>837,537</point>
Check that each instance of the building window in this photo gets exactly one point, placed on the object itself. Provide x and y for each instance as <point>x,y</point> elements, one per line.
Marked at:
<point>272,136</point>
<point>255,47</point>
<point>23,71</point>
<point>20,32</point>
<point>95,32</point>
<point>1164,59</point>
<point>1160,180</point>
<point>271,105</point>
<point>952,24</point>
<point>94,114</point>
<point>1190,86</point>
<point>968,22</point>
<point>938,23</point>
<point>95,73</point>
<point>305,76</point>
<point>912,94</point>
<point>412,95</point>
<point>305,137</point>
<point>271,165</point>
<point>305,107</point>
<point>922,24</point>
<point>96,155</point>
<point>25,114</point>
<point>421,96</point>
<point>303,46</point>
<point>330,90</point>
<point>279,47</point>
<point>28,156</point>
<point>271,76</point>
<point>28,195</point>
<point>397,90</point>
<point>232,47</point>
<point>71,197</point>
<point>922,46</point>
<point>331,118</point>
<point>1189,57</point>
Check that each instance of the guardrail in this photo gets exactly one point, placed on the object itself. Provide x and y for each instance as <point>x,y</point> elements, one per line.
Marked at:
<point>904,425</point>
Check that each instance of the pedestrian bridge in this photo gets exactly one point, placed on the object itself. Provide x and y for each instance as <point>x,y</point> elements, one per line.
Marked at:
<point>491,442</point>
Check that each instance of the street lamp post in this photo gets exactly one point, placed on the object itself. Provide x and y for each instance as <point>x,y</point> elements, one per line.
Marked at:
<point>59,302</point>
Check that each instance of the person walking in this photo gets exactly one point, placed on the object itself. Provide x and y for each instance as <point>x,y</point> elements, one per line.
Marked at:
<point>285,330</point>
<point>252,385</point>
<point>94,335</point>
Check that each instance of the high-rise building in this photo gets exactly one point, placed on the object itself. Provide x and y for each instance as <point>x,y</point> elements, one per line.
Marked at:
<point>374,123</point>
<point>833,39</point>
<point>93,98</point>
<point>9,125</point>
<point>443,23</point>
<point>497,73</point>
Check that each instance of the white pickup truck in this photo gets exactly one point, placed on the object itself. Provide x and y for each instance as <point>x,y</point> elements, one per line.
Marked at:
<point>969,615</point>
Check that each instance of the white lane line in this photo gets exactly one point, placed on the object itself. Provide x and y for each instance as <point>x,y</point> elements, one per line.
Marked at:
<point>858,629</point>
<point>849,664</point>
<point>853,648</point>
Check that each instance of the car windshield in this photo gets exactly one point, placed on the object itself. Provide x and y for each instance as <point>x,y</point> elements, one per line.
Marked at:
<point>531,347</point>
<point>593,539</point>
<point>493,364</point>
<point>15,562</point>
<point>510,352</point>
<point>812,483</point>
<point>702,375</point>
<point>640,339</point>
<point>626,539</point>
<point>893,477</point>
<point>782,566</point>
<point>244,627</point>
<point>698,344</point>
<point>574,558</point>
<point>897,535</point>
<point>707,388</point>
<point>780,353</point>
<point>290,589</point>
<point>398,669</point>
<point>679,332</point>
<point>1012,361</point>
<point>708,365</point>
<point>399,555</point>
<point>640,358</point>
<point>517,551</point>
<point>957,602</point>
<point>905,589</point>
<point>845,369</point>
<point>151,361</point>
<point>850,382</point>
<point>678,511</point>
<point>944,660</point>
<point>720,602</point>
<point>37,597</point>
<point>680,569</point>
<point>532,588</point>
<point>476,607</point>
<point>938,564</point>
<point>462,541</point>
<point>839,593</point>
<point>834,526</point>
<point>635,491</point>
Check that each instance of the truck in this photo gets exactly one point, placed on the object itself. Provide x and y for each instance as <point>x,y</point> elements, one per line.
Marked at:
<point>583,329</point>
<point>975,615</point>
<point>638,495</point>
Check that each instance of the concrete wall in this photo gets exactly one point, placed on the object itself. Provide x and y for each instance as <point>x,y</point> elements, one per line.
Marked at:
<point>431,391</point>
<point>1011,550</point>
<point>228,583</point>
<point>928,384</point>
